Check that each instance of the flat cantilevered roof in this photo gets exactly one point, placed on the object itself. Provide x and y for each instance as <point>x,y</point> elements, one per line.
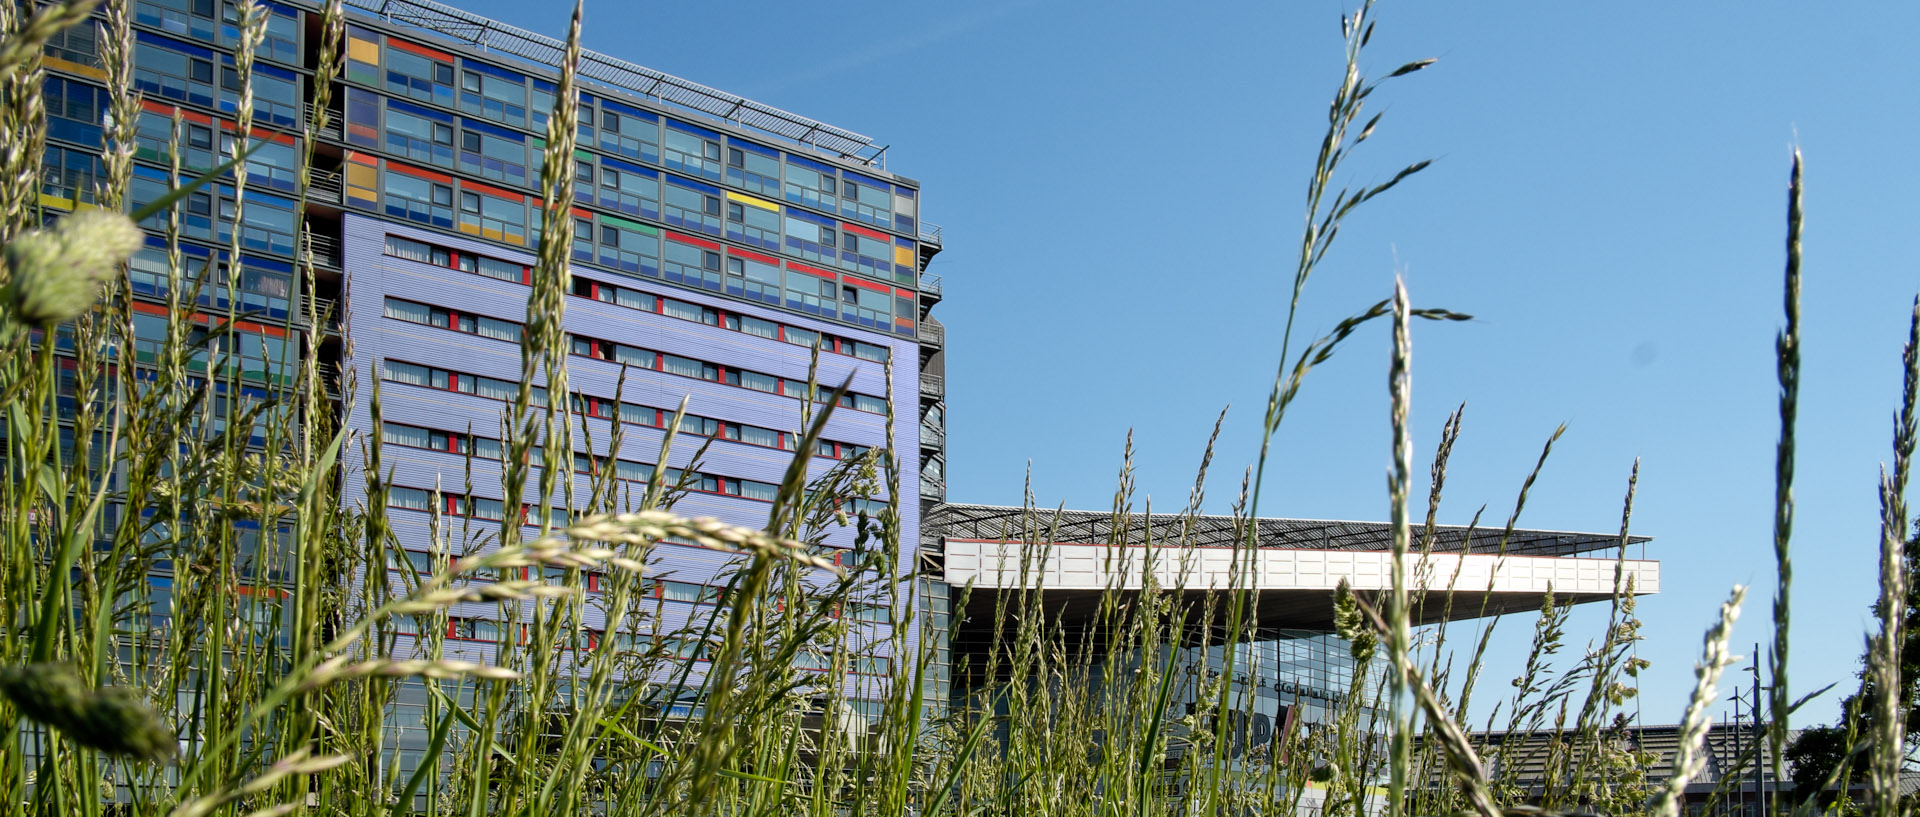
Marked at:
<point>1003,523</point>
<point>1011,563</point>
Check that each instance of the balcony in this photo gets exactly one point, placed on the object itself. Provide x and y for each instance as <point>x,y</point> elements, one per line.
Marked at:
<point>324,187</point>
<point>326,250</point>
<point>332,131</point>
<point>930,287</point>
<point>933,437</point>
<point>933,334</point>
<point>932,487</point>
<point>930,234</point>
<point>932,386</point>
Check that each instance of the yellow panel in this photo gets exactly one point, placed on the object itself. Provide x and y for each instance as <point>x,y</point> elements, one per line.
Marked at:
<point>470,229</point>
<point>903,256</point>
<point>746,199</point>
<point>77,68</point>
<point>360,175</point>
<point>363,50</point>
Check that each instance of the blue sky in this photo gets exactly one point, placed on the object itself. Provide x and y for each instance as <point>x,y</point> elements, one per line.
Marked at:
<point>1121,184</point>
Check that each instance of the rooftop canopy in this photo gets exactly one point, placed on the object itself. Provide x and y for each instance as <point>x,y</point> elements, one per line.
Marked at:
<point>999,522</point>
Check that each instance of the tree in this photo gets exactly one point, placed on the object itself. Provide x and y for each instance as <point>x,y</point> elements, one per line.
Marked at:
<point>1817,751</point>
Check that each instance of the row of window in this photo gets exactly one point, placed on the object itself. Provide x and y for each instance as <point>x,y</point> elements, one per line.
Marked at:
<point>265,286</point>
<point>634,356</point>
<point>205,142</point>
<point>505,96</point>
<point>172,69</point>
<point>626,470</point>
<point>438,200</point>
<point>423,564</point>
<point>494,388</point>
<point>485,631</point>
<point>249,350</point>
<point>198,19</point>
<point>631,298</point>
<point>656,417</point>
<point>493,510</point>
<point>623,354</point>
<point>626,355</point>
<point>267,222</point>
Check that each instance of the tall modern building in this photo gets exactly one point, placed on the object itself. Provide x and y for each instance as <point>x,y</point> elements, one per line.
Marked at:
<point>718,243</point>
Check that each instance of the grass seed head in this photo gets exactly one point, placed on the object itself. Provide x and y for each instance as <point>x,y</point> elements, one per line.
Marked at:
<point>57,274</point>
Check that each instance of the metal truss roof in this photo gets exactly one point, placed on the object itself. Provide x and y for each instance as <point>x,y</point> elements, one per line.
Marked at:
<point>492,35</point>
<point>1002,523</point>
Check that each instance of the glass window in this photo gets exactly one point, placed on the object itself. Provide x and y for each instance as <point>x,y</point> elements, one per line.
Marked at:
<point>497,329</point>
<point>867,200</point>
<point>693,209</point>
<point>691,265</point>
<point>811,184</point>
<point>419,77</point>
<point>412,499</point>
<point>417,199</point>
<point>628,132</point>
<point>632,190</point>
<point>409,373</point>
<point>761,491</point>
<point>760,328</point>
<point>691,154</point>
<point>495,268</point>
<point>493,155</point>
<point>494,97</point>
<point>493,217</point>
<point>753,225</point>
<point>411,312</point>
<point>749,168</point>
<point>688,367</point>
<point>393,434</point>
<point>418,137</point>
<point>627,246</point>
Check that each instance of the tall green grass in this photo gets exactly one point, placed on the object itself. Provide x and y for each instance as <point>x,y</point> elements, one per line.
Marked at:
<point>265,679</point>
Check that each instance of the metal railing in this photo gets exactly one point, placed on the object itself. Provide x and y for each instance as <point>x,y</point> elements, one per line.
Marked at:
<point>930,234</point>
<point>933,334</point>
<point>930,286</point>
<point>332,130</point>
<point>326,249</point>
<point>932,385</point>
<point>325,187</point>
<point>933,486</point>
<point>932,437</point>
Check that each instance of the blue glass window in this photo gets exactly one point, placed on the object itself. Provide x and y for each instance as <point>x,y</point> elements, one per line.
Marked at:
<point>419,133</point>
<point>812,184</point>
<point>420,77</point>
<point>692,205</point>
<point>629,188</point>
<point>417,199</point>
<point>691,265</point>
<point>493,152</point>
<point>630,132</point>
<point>74,109</point>
<point>753,168</point>
<point>495,93</point>
<point>868,200</point>
<point>691,150</point>
<point>749,224</point>
<point>757,280</point>
<point>812,237</point>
